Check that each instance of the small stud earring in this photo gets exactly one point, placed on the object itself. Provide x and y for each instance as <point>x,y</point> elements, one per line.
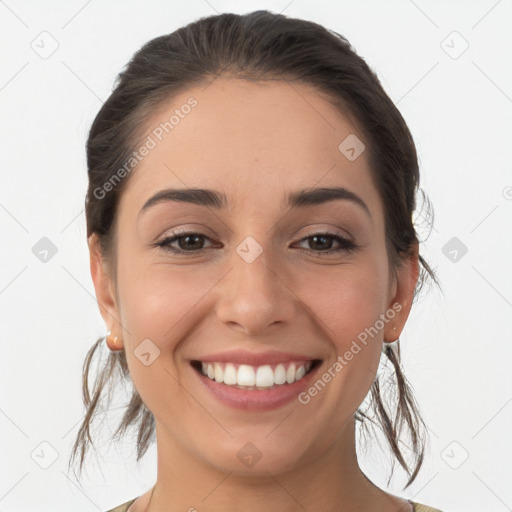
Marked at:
<point>111,341</point>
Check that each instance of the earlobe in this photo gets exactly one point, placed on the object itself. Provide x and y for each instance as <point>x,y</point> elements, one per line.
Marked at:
<point>406,279</point>
<point>102,285</point>
<point>114,344</point>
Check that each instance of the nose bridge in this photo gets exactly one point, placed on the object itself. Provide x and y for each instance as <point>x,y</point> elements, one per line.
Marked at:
<point>253,295</point>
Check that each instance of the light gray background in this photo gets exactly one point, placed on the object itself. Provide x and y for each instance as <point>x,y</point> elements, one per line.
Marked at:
<point>457,346</point>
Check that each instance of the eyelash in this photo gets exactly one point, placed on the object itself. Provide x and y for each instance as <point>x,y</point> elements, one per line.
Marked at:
<point>346,245</point>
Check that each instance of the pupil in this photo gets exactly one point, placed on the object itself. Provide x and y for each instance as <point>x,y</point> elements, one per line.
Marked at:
<point>186,239</point>
<point>316,238</point>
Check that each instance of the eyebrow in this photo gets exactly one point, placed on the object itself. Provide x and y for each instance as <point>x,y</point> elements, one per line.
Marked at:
<point>217,200</point>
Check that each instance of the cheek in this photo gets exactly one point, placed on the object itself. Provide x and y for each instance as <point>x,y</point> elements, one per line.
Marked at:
<point>348,307</point>
<point>162,306</point>
<point>347,299</point>
<point>157,304</point>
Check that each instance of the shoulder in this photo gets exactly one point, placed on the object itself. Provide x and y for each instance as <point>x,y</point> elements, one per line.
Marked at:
<point>418,507</point>
<point>123,507</point>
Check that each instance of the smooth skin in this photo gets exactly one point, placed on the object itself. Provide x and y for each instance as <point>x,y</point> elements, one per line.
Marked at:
<point>255,143</point>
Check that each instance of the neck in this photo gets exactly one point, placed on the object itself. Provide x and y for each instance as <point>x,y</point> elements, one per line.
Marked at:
<point>327,481</point>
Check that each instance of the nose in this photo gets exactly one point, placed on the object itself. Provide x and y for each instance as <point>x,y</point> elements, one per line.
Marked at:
<point>254,297</point>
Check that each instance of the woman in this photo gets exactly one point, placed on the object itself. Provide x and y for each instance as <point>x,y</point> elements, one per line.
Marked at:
<point>249,218</point>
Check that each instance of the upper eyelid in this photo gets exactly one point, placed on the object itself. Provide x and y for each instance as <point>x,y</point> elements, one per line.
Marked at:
<point>349,224</point>
<point>318,231</point>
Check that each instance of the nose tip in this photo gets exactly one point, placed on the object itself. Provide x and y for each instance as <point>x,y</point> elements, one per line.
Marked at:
<point>253,298</point>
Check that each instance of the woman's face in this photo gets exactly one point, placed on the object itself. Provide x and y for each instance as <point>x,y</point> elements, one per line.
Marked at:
<point>254,278</point>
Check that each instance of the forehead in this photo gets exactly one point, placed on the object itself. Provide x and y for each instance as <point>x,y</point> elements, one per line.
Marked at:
<point>250,140</point>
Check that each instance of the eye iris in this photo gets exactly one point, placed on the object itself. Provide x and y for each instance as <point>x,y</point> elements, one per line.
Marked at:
<point>326,245</point>
<point>183,241</point>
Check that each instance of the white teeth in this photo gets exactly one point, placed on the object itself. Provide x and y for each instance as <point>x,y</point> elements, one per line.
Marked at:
<point>218,373</point>
<point>280,374</point>
<point>264,377</point>
<point>260,377</point>
<point>245,375</point>
<point>291,373</point>
<point>230,377</point>
<point>300,372</point>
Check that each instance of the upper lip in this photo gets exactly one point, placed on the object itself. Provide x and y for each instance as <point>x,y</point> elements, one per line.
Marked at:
<point>254,358</point>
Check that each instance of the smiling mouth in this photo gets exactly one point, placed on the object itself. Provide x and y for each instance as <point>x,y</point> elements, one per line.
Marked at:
<point>262,377</point>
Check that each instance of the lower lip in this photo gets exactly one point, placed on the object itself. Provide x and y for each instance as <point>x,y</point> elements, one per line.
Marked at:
<point>256,400</point>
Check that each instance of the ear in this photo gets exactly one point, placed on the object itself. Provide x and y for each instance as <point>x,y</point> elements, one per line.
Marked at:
<point>104,288</point>
<point>402,294</point>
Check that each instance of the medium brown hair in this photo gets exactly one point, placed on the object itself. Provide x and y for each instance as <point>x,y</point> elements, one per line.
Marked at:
<point>257,46</point>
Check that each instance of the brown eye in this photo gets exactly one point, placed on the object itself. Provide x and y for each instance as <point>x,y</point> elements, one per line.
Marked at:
<point>186,243</point>
<point>322,243</point>
<point>319,243</point>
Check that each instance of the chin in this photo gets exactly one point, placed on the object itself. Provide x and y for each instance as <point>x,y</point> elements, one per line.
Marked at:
<point>255,459</point>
